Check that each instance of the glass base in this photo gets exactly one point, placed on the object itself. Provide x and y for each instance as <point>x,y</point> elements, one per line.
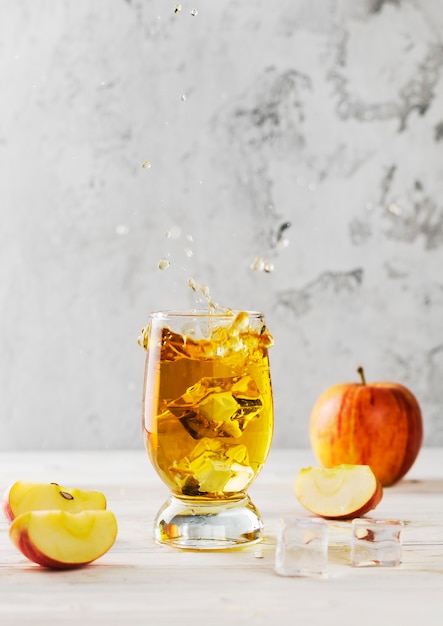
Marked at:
<point>212,525</point>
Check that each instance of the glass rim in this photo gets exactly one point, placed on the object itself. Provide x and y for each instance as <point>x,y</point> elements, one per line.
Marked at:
<point>203,313</point>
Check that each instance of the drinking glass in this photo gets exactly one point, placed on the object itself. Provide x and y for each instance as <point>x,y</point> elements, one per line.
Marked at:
<point>207,423</point>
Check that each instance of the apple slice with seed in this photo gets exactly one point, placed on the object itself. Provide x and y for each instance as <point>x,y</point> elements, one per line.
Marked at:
<point>24,496</point>
<point>340,492</point>
<point>62,540</point>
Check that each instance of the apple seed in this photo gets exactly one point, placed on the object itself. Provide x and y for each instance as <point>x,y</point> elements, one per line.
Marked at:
<point>66,495</point>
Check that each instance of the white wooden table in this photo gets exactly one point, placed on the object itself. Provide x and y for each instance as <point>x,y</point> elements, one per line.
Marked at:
<point>141,582</point>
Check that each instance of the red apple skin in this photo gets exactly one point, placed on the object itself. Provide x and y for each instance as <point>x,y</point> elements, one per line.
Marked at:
<point>378,424</point>
<point>20,537</point>
<point>5,506</point>
<point>30,551</point>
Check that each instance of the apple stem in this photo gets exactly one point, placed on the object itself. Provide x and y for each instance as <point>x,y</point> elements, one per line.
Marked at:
<point>362,375</point>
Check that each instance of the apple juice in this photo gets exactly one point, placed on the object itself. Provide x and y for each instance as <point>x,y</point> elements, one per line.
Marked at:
<point>207,402</point>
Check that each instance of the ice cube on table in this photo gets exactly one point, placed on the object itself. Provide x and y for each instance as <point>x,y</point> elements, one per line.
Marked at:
<point>376,542</point>
<point>302,547</point>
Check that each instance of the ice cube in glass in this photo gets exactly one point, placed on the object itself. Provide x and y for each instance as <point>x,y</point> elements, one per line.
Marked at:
<point>376,542</point>
<point>302,547</point>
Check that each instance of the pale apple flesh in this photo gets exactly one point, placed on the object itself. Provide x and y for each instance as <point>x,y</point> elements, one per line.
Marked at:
<point>62,540</point>
<point>341,492</point>
<point>23,496</point>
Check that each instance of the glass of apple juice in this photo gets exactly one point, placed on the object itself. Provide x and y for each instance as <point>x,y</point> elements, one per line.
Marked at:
<point>207,423</point>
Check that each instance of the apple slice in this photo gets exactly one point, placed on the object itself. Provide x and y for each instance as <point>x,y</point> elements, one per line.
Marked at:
<point>341,492</point>
<point>24,496</point>
<point>62,540</point>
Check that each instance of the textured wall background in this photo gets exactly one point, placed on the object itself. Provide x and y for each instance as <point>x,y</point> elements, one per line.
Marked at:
<point>323,114</point>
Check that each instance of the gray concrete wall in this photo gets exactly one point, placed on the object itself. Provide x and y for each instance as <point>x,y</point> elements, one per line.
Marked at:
<point>323,114</point>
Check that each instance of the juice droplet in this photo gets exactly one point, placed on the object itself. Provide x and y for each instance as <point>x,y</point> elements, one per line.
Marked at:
<point>394,209</point>
<point>163,264</point>
<point>177,8</point>
<point>146,165</point>
<point>262,265</point>
<point>194,12</point>
<point>258,264</point>
<point>192,284</point>
<point>142,339</point>
<point>203,292</point>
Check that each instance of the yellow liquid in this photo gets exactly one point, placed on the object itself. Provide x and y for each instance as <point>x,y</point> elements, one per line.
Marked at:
<point>208,409</point>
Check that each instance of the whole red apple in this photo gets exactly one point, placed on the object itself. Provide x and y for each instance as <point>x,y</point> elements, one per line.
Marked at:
<point>378,424</point>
